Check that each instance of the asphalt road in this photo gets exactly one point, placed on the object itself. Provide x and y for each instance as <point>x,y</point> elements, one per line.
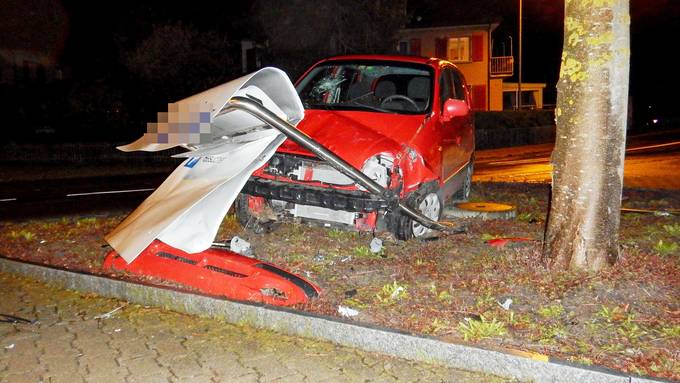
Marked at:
<point>21,199</point>
<point>652,162</point>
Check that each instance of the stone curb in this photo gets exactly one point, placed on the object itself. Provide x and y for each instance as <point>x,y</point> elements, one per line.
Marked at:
<point>364,337</point>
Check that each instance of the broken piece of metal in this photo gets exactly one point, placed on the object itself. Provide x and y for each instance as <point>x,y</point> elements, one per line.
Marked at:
<point>219,272</point>
<point>6,318</point>
<point>256,109</point>
<point>657,212</point>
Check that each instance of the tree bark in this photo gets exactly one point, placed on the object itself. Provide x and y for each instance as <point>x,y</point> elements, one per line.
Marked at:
<point>592,100</point>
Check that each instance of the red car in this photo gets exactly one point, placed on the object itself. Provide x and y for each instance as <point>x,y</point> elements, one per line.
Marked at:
<point>403,121</point>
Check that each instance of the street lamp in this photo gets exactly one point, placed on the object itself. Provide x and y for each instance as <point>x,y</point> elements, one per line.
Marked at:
<point>519,59</point>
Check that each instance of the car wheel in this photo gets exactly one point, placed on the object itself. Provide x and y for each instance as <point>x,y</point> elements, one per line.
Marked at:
<point>463,194</point>
<point>430,204</point>
<point>255,214</point>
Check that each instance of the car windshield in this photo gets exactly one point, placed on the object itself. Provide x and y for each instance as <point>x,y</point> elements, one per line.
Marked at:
<point>381,86</point>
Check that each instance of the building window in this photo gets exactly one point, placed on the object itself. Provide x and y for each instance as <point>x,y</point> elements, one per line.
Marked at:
<point>459,49</point>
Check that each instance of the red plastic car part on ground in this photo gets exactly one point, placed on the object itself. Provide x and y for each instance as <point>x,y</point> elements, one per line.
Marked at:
<point>502,242</point>
<point>219,272</point>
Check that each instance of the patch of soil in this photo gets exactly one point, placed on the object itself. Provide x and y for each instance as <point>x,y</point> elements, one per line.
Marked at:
<point>626,317</point>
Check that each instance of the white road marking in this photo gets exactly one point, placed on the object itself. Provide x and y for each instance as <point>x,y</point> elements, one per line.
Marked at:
<point>653,146</point>
<point>109,192</point>
<point>8,199</point>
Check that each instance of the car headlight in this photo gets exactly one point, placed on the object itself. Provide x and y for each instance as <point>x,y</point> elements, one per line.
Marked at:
<point>379,168</point>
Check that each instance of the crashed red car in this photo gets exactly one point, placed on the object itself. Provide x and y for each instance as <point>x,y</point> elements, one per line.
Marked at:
<point>403,121</point>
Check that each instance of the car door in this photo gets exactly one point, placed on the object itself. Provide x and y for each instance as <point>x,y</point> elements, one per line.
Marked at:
<point>457,142</point>
<point>465,123</point>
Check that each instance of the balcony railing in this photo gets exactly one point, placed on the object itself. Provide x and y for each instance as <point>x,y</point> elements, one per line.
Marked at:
<point>502,66</point>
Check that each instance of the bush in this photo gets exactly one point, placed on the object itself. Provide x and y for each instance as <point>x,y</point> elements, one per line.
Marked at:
<point>514,119</point>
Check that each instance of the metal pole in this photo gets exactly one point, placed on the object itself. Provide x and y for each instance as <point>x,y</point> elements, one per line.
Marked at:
<point>265,115</point>
<point>519,74</point>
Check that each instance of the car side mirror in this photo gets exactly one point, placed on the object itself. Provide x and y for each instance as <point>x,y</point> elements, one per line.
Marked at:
<point>454,108</point>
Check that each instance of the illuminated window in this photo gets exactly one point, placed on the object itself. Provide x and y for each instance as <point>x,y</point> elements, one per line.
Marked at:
<point>459,49</point>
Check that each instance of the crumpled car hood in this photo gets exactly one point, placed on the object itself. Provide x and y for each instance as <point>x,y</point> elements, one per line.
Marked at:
<point>356,136</point>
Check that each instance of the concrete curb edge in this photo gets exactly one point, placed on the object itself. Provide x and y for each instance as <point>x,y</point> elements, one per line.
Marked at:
<point>368,338</point>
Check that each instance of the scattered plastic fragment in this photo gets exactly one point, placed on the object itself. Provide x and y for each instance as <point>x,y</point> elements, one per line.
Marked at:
<point>506,304</point>
<point>117,330</point>
<point>502,242</point>
<point>376,245</point>
<point>218,272</point>
<point>11,346</point>
<point>241,246</point>
<point>109,314</point>
<point>347,312</point>
<point>397,292</point>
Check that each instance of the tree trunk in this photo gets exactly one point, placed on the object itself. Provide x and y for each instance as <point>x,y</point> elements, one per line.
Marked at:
<point>592,98</point>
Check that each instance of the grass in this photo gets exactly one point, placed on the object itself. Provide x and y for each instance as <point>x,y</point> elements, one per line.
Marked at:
<point>673,229</point>
<point>27,235</point>
<point>485,302</point>
<point>666,248</point>
<point>365,252</point>
<point>631,330</point>
<point>488,237</point>
<point>438,326</point>
<point>549,334</point>
<point>551,311</point>
<point>527,217</point>
<point>670,331</point>
<point>609,314</point>
<point>481,329</point>
<point>342,234</point>
<point>392,292</point>
<point>431,286</point>
<point>442,296</point>
<point>86,221</point>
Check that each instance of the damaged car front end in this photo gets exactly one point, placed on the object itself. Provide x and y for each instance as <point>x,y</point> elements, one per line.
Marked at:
<point>384,116</point>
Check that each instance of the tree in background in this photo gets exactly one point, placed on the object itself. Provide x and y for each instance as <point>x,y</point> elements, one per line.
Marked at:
<point>300,32</point>
<point>583,222</point>
<point>177,60</point>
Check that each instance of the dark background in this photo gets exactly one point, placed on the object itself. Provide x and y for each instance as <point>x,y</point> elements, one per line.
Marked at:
<point>115,64</point>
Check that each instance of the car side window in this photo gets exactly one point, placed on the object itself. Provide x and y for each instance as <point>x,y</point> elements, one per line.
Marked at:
<point>458,91</point>
<point>445,88</point>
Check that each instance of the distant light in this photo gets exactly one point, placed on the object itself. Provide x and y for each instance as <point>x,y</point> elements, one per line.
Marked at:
<point>649,107</point>
<point>655,120</point>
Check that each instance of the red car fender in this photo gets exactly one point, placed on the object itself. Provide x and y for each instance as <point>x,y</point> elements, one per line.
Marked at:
<point>414,170</point>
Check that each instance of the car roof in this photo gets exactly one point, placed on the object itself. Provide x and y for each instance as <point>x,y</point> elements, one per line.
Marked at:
<point>411,59</point>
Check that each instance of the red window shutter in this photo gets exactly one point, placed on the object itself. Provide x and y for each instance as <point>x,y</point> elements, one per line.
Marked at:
<point>440,48</point>
<point>415,47</point>
<point>478,97</point>
<point>477,47</point>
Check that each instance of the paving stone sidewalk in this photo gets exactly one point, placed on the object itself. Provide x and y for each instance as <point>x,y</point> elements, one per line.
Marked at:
<point>74,340</point>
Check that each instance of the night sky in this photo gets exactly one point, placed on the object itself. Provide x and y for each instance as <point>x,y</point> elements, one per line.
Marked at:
<point>96,32</point>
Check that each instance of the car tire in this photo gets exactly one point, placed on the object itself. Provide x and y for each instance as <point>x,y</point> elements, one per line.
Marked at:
<point>429,203</point>
<point>463,194</point>
<point>251,220</point>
